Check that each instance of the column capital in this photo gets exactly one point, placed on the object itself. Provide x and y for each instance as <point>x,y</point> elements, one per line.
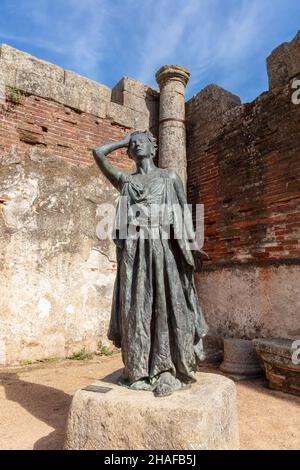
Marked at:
<point>172,72</point>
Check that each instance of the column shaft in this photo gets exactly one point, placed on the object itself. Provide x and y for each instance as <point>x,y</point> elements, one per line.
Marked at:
<point>172,80</point>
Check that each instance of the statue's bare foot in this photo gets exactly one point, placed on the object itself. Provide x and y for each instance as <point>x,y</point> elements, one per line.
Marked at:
<point>167,384</point>
<point>142,384</point>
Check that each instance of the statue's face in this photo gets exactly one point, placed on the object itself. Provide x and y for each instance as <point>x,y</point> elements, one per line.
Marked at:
<point>140,147</point>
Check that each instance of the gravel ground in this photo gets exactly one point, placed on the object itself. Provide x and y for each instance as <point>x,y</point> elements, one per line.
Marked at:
<point>34,404</point>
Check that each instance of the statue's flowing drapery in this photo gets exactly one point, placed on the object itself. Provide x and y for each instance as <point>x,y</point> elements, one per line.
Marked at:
<point>156,317</point>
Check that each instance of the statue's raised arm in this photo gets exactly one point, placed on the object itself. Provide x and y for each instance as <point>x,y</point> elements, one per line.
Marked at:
<point>100,155</point>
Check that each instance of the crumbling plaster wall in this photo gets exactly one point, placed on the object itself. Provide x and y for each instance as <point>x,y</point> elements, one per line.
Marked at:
<point>56,276</point>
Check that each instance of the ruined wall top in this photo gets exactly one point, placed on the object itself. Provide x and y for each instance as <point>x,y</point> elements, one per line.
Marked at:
<point>129,103</point>
<point>125,104</point>
<point>283,63</point>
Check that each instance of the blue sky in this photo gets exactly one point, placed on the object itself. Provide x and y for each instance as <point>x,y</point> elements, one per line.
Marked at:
<point>220,41</point>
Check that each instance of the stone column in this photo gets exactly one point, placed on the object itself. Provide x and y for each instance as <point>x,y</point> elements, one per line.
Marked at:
<point>172,80</point>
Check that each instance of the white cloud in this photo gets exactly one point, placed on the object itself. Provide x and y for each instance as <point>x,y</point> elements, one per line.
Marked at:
<point>72,28</point>
<point>202,35</point>
<point>223,41</point>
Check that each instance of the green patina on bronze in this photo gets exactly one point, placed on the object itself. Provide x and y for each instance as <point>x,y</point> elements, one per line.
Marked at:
<point>156,318</point>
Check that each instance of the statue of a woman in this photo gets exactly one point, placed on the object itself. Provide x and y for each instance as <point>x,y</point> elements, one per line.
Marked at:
<point>156,318</point>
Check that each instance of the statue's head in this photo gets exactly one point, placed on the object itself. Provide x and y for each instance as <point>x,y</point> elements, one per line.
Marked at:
<point>142,145</point>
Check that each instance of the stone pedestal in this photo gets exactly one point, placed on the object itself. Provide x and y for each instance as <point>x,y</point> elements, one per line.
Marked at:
<point>281,358</point>
<point>172,80</point>
<point>202,417</point>
<point>240,359</point>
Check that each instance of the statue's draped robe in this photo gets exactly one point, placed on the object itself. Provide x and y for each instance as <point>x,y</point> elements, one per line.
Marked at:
<point>156,317</point>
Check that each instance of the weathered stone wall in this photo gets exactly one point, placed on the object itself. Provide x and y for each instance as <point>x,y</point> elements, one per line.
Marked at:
<point>56,276</point>
<point>284,63</point>
<point>244,166</point>
<point>251,301</point>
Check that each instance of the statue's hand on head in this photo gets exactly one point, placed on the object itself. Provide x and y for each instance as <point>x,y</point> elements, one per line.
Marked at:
<point>114,175</point>
<point>126,139</point>
<point>100,154</point>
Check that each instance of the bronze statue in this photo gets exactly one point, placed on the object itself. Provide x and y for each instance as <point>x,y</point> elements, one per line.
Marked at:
<point>156,318</point>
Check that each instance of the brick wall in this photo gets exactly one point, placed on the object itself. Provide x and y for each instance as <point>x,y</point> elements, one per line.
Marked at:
<point>244,166</point>
<point>245,169</point>
<point>46,106</point>
<point>64,132</point>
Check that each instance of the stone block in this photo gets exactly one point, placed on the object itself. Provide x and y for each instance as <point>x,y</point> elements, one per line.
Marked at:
<point>295,56</point>
<point>127,117</point>
<point>146,107</point>
<point>203,417</point>
<point>133,87</point>
<point>26,62</point>
<point>136,102</point>
<point>119,115</point>
<point>240,359</point>
<point>93,104</point>
<point>41,78</point>
<point>278,66</point>
<point>281,363</point>
<point>137,96</point>
<point>33,83</point>
<point>87,86</point>
<point>209,104</point>
<point>69,95</point>
<point>117,93</point>
<point>283,63</point>
<point>7,73</point>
